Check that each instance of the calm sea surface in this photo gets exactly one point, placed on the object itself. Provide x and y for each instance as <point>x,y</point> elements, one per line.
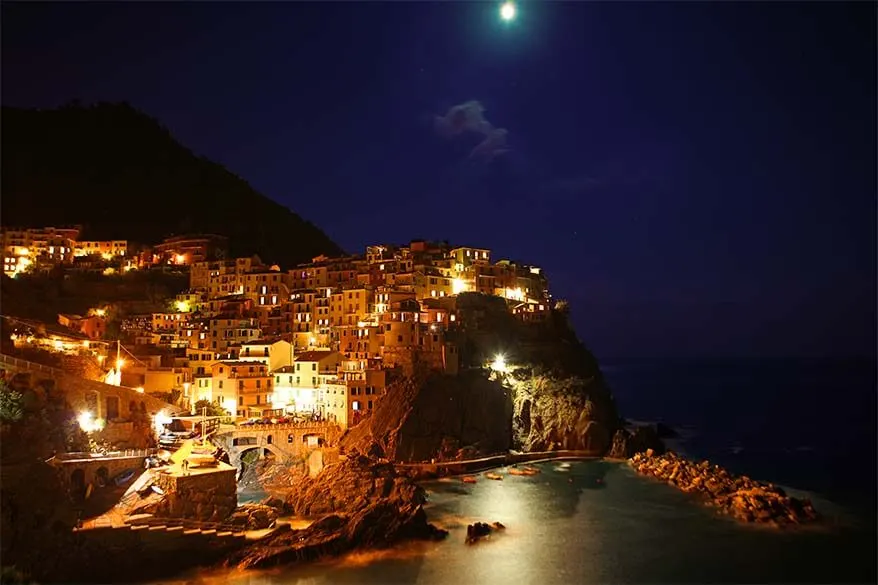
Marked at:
<point>805,426</point>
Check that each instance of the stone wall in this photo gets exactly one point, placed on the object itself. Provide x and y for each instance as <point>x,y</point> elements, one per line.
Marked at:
<point>125,435</point>
<point>207,496</point>
<point>409,359</point>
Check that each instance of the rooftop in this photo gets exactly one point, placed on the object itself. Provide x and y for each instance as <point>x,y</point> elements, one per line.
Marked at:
<point>314,356</point>
<point>264,341</point>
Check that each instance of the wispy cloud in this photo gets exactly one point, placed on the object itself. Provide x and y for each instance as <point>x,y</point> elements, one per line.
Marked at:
<point>469,117</point>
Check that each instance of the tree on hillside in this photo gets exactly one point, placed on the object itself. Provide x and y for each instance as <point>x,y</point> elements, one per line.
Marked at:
<point>213,409</point>
<point>37,422</point>
<point>11,409</point>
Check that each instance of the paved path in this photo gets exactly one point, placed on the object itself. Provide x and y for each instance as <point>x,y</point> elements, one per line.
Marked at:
<point>498,461</point>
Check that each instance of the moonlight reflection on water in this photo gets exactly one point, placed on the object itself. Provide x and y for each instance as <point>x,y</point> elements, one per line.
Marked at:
<point>594,522</point>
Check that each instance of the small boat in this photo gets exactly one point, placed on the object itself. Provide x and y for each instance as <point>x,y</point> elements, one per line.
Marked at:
<point>494,476</point>
<point>468,479</point>
<point>528,471</point>
<point>157,490</point>
<point>124,477</point>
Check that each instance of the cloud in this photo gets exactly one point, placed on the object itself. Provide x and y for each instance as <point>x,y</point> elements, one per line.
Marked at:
<point>469,117</point>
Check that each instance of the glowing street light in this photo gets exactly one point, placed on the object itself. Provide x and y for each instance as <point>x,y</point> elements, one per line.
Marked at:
<point>499,363</point>
<point>88,423</point>
<point>508,11</point>
<point>160,420</point>
<point>119,363</point>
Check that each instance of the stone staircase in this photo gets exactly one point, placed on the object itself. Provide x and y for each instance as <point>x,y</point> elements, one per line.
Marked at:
<point>162,533</point>
<point>187,526</point>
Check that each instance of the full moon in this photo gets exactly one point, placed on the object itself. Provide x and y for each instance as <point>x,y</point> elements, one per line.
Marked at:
<point>507,11</point>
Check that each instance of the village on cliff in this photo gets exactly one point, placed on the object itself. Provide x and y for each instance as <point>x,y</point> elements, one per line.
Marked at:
<point>317,340</point>
<point>151,410</point>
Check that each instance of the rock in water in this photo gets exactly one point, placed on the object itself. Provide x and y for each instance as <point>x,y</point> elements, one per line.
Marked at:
<point>479,530</point>
<point>364,504</point>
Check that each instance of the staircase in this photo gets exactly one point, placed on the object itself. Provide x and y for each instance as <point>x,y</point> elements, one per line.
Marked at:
<point>162,534</point>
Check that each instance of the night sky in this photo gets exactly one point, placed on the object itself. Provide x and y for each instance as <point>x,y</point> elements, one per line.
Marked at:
<point>696,178</point>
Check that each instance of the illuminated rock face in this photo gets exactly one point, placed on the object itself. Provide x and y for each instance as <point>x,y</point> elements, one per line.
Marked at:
<point>563,413</point>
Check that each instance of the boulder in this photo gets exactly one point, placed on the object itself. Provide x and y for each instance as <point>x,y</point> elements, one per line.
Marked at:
<point>253,517</point>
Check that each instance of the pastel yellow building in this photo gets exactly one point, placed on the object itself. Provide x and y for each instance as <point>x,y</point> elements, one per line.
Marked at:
<point>432,285</point>
<point>249,383</point>
<point>273,353</point>
<point>349,307</point>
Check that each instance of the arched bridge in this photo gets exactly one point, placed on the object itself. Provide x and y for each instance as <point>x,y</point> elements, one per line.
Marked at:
<point>287,442</point>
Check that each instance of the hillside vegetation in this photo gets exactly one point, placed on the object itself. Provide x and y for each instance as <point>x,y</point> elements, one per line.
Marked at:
<point>122,175</point>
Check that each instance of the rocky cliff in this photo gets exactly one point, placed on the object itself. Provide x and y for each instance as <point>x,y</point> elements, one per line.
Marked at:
<point>437,417</point>
<point>362,504</point>
<point>549,395</point>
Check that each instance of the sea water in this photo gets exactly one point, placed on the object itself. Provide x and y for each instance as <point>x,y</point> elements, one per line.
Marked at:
<point>808,426</point>
<point>593,522</point>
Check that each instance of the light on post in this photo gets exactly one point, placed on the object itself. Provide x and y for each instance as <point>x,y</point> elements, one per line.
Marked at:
<point>499,364</point>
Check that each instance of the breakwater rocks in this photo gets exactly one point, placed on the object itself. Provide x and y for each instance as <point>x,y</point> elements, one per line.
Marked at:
<point>363,504</point>
<point>739,496</point>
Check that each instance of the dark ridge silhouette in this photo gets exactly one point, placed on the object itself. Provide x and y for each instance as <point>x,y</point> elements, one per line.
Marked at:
<point>120,174</point>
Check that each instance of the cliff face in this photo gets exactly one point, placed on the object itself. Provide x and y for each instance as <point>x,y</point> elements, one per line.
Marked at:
<point>562,413</point>
<point>553,395</point>
<point>438,417</point>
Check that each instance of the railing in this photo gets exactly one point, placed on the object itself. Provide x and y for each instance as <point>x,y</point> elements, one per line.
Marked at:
<point>278,426</point>
<point>186,523</point>
<point>127,453</point>
<point>27,365</point>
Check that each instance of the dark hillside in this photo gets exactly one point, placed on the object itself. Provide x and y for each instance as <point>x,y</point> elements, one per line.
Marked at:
<point>122,175</point>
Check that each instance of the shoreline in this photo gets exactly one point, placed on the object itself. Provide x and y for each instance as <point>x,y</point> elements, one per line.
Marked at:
<point>424,472</point>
